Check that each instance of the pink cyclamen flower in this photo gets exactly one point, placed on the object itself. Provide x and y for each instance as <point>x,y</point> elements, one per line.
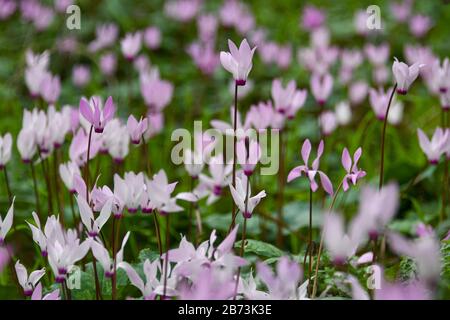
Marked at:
<point>37,294</point>
<point>405,75</point>
<point>7,8</point>
<point>248,153</point>
<point>92,225</point>
<point>401,10</point>
<point>425,251</point>
<point>182,10</point>
<point>5,149</point>
<point>238,61</point>
<point>159,192</point>
<point>152,37</point>
<point>157,93</point>
<point>67,173</point>
<point>26,144</point>
<point>287,98</point>
<point>358,92</point>
<point>50,88</point>
<point>6,223</point>
<point>435,147</point>
<point>377,55</point>
<point>321,87</point>
<point>311,172</point>
<point>424,230</point>
<point>28,283</point>
<point>341,245</point>
<point>95,115</point>
<point>204,56</point>
<point>312,18</point>
<point>419,25</point>
<point>376,209</point>
<point>284,284</point>
<point>81,75</point>
<point>102,255</point>
<point>207,27</point>
<point>108,63</point>
<point>353,172</point>
<point>131,45</point>
<point>243,199</point>
<point>328,122</point>
<point>379,102</point>
<point>136,129</point>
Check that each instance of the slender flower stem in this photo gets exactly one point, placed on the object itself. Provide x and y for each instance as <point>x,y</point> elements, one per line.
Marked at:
<point>115,243</point>
<point>310,244</point>
<point>87,163</point>
<point>36,193</point>
<point>191,207</point>
<point>97,282</point>
<point>158,233</point>
<point>8,189</point>
<point>87,178</point>
<point>281,184</point>
<point>166,260</point>
<point>146,157</point>
<point>244,230</point>
<point>316,272</point>
<point>47,182</point>
<point>57,188</point>
<point>233,214</point>
<point>442,216</point>
<point>383,137</point>
<point>72,208</point>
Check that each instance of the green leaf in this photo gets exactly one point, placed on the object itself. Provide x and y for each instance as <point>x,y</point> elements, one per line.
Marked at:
<point>260,248</point>
<point>145,254</point>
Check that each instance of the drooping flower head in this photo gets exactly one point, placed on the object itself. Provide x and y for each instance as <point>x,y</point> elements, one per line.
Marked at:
<point>405,75</point>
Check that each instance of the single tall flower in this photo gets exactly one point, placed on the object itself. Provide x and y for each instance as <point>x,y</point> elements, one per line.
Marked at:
<point>243,199</point>
<point>311,172</point>
<point>405,75</point>
<point>96,115</point>
<point>238,61</point>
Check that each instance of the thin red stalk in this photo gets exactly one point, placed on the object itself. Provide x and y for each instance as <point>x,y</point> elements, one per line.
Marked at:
<point>233,214</point>
<point>158,233</point>
<point>281,184</point>
<point>310,245</point>
<point>8,189</point>
<point>113,278</point>
<point>244,230</point>
<point>383,137</point>
<point>47,183</point>
<point>36,193</point>
<point>166,265</point>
